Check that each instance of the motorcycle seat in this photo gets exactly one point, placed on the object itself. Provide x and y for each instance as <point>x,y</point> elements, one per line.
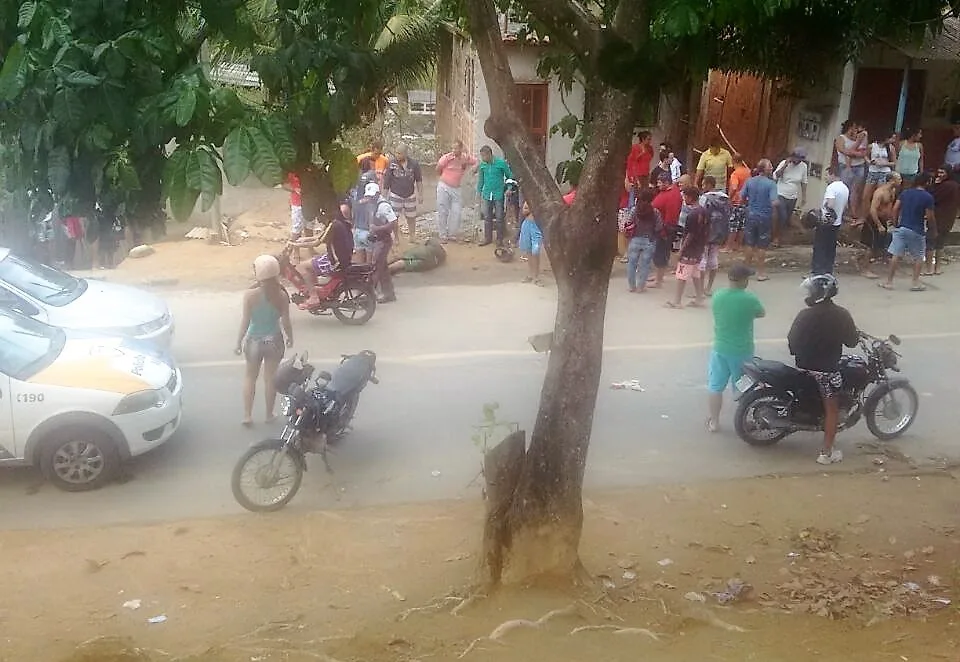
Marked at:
<point>360,269</point>
<point>782,374</point>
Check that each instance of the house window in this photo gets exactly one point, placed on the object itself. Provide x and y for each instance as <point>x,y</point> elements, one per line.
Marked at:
<point>534,111</point>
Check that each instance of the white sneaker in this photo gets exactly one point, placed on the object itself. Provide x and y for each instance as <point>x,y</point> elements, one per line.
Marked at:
<point>831,458</point>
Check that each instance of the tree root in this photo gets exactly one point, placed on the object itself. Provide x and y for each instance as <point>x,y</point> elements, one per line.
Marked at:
<point>433,607</point>
<point>504,628</point>
<point>616,629</point>
<point>467,602</point>
<point>707,616</point>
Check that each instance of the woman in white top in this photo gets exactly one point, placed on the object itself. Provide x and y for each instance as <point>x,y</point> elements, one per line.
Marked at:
<point>882,158</point>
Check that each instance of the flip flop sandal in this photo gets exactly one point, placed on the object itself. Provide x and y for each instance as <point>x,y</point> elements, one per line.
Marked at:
<point>670,304</point>
<point>886,286</point>
<point>694,304</point>
<point>761,279</point>
<point>918,288</point>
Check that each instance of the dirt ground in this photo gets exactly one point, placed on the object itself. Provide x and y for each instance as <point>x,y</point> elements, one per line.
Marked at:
<point>838,567</point>
<point>259,224</point>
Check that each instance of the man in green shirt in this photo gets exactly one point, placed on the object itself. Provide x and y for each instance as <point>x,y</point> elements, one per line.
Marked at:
<point>492,175</point>
<point>734,310</point>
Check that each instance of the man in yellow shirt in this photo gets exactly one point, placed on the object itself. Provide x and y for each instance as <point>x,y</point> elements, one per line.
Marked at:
<point>716,162</point>
<point>380,160</point>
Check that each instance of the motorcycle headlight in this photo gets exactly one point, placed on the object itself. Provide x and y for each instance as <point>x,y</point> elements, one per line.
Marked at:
<point>140,401</point>
<point>286,405</point>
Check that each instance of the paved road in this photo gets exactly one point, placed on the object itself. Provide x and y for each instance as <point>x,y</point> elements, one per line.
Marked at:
<point>445,352</point>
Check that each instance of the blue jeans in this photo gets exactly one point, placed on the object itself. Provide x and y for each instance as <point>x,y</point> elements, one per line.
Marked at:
<point>639,258</point>
<point>492,213</point>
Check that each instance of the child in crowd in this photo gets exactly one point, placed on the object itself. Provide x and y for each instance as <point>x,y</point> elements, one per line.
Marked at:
<point>531,243</point>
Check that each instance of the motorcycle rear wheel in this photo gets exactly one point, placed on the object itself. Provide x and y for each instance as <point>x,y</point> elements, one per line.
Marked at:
<point>878,404</point>
<point>744,420</point>
<point>266,476</point>
<point>355,305</point>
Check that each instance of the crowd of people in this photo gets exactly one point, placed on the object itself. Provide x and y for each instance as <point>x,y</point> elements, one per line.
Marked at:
<point>672,219</point>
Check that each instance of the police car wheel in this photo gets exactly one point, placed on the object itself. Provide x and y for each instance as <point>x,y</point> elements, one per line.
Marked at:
<point>79,459</point>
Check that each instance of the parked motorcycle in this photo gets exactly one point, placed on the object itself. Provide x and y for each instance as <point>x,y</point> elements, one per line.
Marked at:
<point>777,399</point>
<point>318,412</point>
<point>351,298</point>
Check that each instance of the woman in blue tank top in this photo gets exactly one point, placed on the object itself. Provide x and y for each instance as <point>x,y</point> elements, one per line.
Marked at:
<point>263,326</point>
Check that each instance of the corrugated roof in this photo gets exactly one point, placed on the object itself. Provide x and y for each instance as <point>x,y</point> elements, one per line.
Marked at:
<point>943,46</point>
<point>234,73</point>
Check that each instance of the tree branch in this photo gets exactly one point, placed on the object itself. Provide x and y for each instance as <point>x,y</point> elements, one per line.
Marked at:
<point>504,124</point>
<point>570,23</point>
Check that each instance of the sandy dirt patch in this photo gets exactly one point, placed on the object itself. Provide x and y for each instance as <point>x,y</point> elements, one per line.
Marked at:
<point>840,567</point>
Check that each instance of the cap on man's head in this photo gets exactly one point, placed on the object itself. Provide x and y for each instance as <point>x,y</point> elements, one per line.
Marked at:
<point>740,273</point>
<point>799,153</point>
<point>371,190</point>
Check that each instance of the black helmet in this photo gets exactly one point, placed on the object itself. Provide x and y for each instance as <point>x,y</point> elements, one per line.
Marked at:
<point>820,288</point>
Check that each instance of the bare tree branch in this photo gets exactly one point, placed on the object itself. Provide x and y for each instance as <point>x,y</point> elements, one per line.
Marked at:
<point>570,23</point>
<point>504,124</point>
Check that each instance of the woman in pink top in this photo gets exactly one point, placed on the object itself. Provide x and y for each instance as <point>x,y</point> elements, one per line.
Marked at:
<point>451,168</point>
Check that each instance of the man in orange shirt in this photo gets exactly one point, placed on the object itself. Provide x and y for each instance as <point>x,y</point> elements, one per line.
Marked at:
<point>380,160</point>
<point>739,177</point>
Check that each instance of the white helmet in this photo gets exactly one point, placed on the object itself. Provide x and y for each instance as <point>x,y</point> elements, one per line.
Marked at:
<point>820,288</point>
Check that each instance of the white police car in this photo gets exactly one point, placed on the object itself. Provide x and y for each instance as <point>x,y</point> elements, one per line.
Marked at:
<point>79,405</point>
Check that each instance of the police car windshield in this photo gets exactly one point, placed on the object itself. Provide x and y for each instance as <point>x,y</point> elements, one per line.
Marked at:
<point>51,286</point>
<point>27,346</point>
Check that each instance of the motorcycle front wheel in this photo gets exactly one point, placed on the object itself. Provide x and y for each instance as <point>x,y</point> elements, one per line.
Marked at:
<point>884,404</point>
<point>746,420</point>
<point>355,304</point>
<point>266,477</point>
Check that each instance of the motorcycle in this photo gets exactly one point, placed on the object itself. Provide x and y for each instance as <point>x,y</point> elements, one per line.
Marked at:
<point>317,415</point>
<point>777,400</point>
<point>351,296</point>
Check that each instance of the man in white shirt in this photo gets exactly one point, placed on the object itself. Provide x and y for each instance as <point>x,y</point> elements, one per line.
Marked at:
<point>791,176</point>
<point>835,200</point>
<point>952,156</point>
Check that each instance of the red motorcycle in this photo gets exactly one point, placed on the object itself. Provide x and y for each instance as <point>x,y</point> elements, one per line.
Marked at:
<point>350,296</point>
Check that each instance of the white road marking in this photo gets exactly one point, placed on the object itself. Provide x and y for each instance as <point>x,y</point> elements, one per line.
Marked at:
<point>529,353</point>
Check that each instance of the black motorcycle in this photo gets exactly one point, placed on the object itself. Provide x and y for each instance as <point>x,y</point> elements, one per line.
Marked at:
<point>777,400</point>
<point>317,414</point>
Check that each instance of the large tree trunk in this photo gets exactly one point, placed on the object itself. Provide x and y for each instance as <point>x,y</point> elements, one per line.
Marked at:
<point>541,513</point>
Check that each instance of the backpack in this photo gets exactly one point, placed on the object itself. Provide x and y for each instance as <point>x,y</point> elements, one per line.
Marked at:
<point>719,210</point>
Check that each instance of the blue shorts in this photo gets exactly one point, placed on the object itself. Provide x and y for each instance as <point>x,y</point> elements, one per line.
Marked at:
<point>757,231</point>
<point>907,242</point>
<point>361,239</point>
<point>531,238</point>
<point>723,370</point>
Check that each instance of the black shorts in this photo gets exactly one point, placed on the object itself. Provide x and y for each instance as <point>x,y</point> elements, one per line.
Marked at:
<point>661,252</point>
<point>873,240</point>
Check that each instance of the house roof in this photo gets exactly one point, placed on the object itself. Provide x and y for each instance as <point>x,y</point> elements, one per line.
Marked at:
<point>943,46</point>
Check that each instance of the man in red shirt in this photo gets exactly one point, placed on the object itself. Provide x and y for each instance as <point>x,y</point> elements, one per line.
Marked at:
<point>640,160</point>
<point>668,203</point>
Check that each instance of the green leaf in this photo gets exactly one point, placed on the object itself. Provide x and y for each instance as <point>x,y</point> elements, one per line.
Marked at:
<point>211,179</point>
<point>278,130</point>
<point>263,158</point>
<point>83,79</point>
<point>49,35</point>
<point>67,107</point>
<point>342,166</point>
<point>26,14</point>
<point>182,197</point>
<point>11,76</point>
<point>99,136</point>
<point>58,169</point>
<point>185,106</point>
<point>128,177</point>
<point>116,63</point>
<point>236,156</point>
<point>100,50</point>
<point>193,176</point>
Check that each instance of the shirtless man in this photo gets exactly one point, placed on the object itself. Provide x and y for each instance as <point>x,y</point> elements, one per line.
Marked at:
<point>873,231</point>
